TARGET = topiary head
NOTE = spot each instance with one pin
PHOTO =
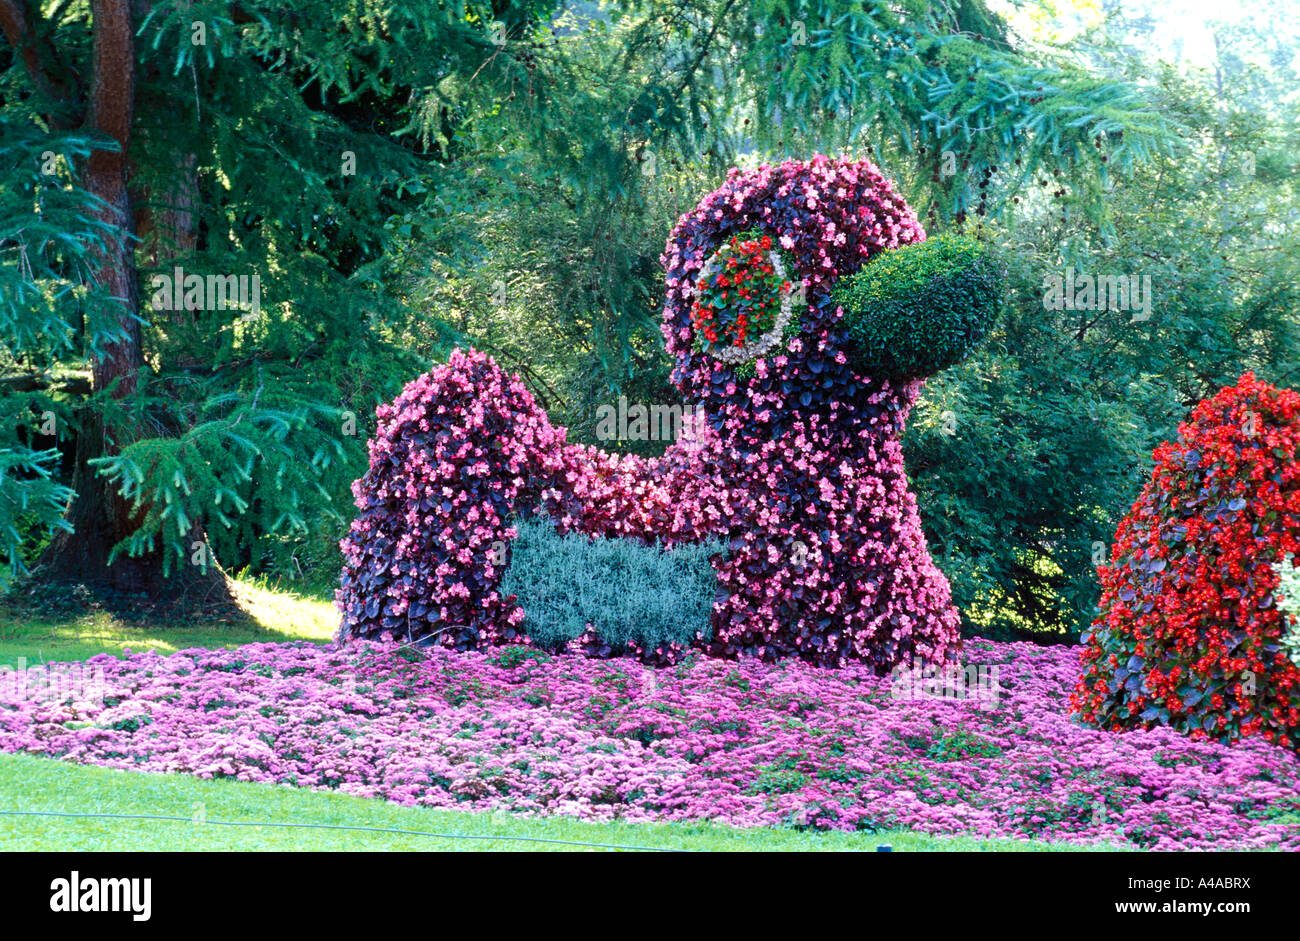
(915, 310)
(812, 222)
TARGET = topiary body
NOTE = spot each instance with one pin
(797, 465)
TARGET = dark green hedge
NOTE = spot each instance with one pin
(915, 310)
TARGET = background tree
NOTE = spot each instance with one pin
(1025, 457)
(204, 419)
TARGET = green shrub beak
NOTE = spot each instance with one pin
(916, 310)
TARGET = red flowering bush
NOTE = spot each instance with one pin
(1189, 632)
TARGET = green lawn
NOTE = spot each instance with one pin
(34, 784)
(272, 616)
(41, 784)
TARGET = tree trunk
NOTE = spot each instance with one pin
(167, 225)
(100, 516)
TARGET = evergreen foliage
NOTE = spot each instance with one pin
(282, 142)
(48, 306)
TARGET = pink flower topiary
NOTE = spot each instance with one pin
(798, 466)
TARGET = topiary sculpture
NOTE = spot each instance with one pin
(797, 466)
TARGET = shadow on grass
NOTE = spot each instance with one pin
(50, 623)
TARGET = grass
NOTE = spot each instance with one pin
(42, 784)
(273, 616)
(29, 783)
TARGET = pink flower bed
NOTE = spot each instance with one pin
(740, 742)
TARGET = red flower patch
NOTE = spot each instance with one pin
(739, 296)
